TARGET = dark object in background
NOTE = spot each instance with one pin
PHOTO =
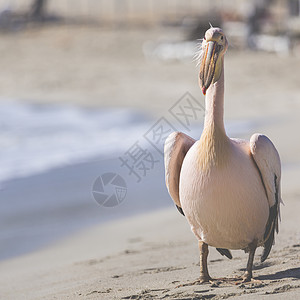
(36, 13)
(294, 8)
(195, 28)
(38, 8)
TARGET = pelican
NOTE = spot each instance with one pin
(227, 188)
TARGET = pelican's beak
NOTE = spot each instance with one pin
(208, 65)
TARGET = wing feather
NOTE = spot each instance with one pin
(268, 163)
(176, 147)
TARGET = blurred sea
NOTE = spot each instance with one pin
(50, 156)
(37, 138)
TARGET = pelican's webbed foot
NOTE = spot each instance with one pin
(204, 279)
(201, 280)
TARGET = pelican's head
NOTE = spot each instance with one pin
(212, 50)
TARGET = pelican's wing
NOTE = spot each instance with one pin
(268, 163)
(176, 147)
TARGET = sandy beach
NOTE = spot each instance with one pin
(149, 255)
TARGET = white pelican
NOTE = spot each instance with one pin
(228, 189)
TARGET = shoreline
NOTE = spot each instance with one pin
(53, 211)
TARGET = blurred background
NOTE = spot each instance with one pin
(89, 90)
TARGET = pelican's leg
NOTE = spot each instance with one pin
(204, 276)
(248, 274)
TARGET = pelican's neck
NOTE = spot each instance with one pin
(214, 104)
(214, 144)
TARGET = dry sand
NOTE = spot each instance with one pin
(147, 257)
